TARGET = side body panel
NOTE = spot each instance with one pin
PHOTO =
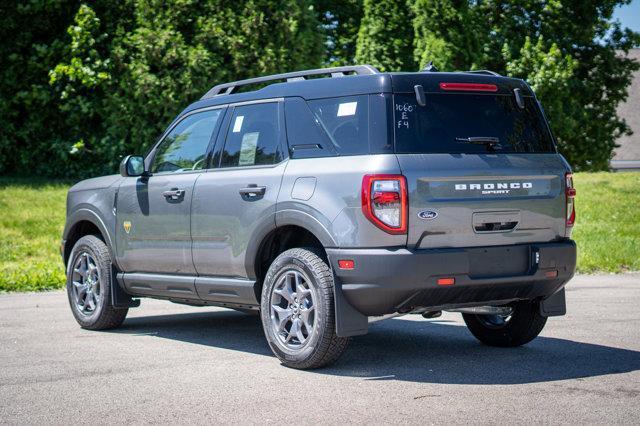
(324, 196)
(92, 200)
(224, 222)
(159, 238)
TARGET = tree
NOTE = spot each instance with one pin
(341, 21)
(121, 85)
(385, 38)
(569, 51)
(29, 136)
(447, 34)
(581, 104)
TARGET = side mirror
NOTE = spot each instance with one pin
(132, 165)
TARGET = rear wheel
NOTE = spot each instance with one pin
(520, 327)
(297, 311)
(88, 285)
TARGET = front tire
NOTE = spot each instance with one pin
(522, 326)
(297, 311)
(88, 285)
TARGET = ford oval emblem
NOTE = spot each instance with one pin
(427, 214)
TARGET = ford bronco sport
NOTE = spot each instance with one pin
(323, 203)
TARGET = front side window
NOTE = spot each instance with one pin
(185, 147)
(346, 122)
(253, 136)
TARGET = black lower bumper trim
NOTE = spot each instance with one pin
(399, 280)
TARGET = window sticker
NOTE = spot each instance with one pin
(347, 109)
(248, 149)
(237, 125)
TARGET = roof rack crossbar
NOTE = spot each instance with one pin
(228, 88)
(489, 72)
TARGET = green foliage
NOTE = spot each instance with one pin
(125, 69)
(102, 79)
(385, 39)
(446, 34)
(575, 62)
(341, 22)
(569, 51)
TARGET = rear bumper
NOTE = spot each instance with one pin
(400, 280)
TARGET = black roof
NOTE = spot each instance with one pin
(350, 85)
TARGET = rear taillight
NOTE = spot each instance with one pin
(570, 193)
(384, 202)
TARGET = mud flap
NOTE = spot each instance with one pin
(349, 322)
(554, 305)
(119, 298)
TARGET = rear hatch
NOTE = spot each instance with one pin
(479, 160)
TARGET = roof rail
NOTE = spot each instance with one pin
(484, 72)
(228, 88)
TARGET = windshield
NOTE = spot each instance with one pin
(469, 124)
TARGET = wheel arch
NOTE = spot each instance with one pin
(277, 241)
(84, 222)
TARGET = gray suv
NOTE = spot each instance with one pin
(326, 199)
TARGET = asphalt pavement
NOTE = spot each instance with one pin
(177, 364)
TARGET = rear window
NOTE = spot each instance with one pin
(469, 124)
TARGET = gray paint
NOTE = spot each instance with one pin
(202, 248)
(224, 222)
(159, 240)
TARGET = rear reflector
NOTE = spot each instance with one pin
(446, 281)
(346, 264)
(469, 87)
(551, 274)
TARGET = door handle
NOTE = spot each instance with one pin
(253, 190)
(173, 193)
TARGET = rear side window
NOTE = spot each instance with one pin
(253, 137)
(346, 122)
(469, 124)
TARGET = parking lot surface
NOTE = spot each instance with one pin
(177, 364)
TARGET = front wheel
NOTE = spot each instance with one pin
(520, 327)
(88, 285)
(297, 310)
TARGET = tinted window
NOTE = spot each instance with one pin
(185, 147)
(448, 120)
(346, 122)
(253, 136)
(304, 134)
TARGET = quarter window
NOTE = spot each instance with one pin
(346, 122)
(184, 148)
(253, 136)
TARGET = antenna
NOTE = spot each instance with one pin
(430, 67)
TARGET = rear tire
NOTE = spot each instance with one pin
(297, 311)
(522, 326)
(89, 285)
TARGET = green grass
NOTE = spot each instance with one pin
(32, 214)
(607, 227)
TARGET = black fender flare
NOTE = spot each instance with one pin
(86, 214)
(279, 219)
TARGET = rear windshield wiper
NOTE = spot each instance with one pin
(489, 142)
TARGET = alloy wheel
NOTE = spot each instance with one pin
(86, 284)
(292, 309)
